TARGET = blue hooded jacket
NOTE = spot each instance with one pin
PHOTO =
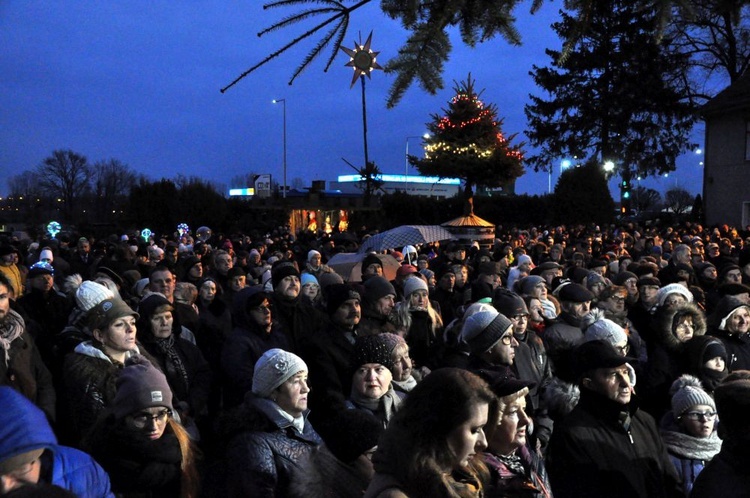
(23, 428)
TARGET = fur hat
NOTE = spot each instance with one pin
(414, 284)
(281, 270)
(275, 367)
(596, 327)
(338, 294)
(140, 385)
(372, 349)
(356, 431)
(665, 291)
(687, 391)
(377, 287)
(483, 330)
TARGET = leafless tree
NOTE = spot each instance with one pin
(65, 175)
(678, 200)
(646, 198)
(112, 181)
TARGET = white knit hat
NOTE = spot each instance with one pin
(687, 392)
(275, 367)
(414, 284)
(89, 294)
(310, 254)
(661, 296)
(596, 327)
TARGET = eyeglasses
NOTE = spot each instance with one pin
(506, 339)
(623, 349)
(618, 299)
(261, 309)
(517, 318)
(699, 415)
(141, 420)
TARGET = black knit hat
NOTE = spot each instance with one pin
(356, 431)
(337, 294)
(377, 287)
(509, 303)
(281, 270)
(372, 349)
(371, 259)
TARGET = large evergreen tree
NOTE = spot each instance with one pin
(467, 142)
(614, 97)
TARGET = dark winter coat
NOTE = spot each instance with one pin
(245, 345)
(89, 378)
(726, 476)
(592, 454)
(322, 475)
(265, 450)
(299, 321)
(688, 454)
(562, 335)
(25, 371)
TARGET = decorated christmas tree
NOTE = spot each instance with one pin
(467, 142)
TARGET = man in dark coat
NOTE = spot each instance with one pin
(377, 305)
(298, 320)
(565, 333)
(606, 446)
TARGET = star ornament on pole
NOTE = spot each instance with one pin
(362, 59)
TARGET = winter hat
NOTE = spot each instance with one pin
(651, 281)
(596, 354)
(275, 367)
(140, 385)
(392, 341)
(156, 302)
(329, 278)
(444, 270)
(19, 419)
(427, 273)
(687, 391)
(308, 278)
(624, 276)
(40, 268)
(405, 270)
(509, 303)
(483, 330)
(596, 327)
(108, 310)
(372, 349)
(140, 286)
(527, 284)
(311, 253)
(356, 431)
(414, 284)
(713, 349)
(377, 287)
(46, 254)
(371, 259)
(733, 402)
(661, 296)
(281, 270)
(89, 294)
(236, 271)
(575, 293)
(490, 268)
(594, 278)
(727, 307)
(525, 259)
(337, 294)
(110, 274)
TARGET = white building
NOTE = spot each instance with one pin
(428, 186)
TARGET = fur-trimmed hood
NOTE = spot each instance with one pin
(664, 321)
(560, 397)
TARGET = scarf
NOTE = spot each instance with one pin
(10, 329)
(384, 407)
(513, 463)
(694, 448)
(174, 366)
(406, 385)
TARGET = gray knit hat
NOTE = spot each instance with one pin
(140, 385)
(596, 327)
(687, 392)
(414, 284)
(483, 330)
(275, 367)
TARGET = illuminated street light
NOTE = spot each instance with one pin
(609, 166)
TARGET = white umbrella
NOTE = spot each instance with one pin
(405, 235)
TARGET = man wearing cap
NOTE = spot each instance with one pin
(47, 310)
(329, 352)
(298, 320)
(9, 268)
(492, 346)
(377, 304)
(565, 333)
(606, 446)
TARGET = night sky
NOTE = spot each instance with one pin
(139, 82)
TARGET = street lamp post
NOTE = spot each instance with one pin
(406, 169)
(283, 102)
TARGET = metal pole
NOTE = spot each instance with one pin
(406, 169)
(284, 112)
(364, 119)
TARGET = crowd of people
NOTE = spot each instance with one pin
(566, 361)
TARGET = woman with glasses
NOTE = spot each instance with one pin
(689, 430)
(254, 333)
(143, 449)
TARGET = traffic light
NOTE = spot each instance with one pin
(625, 188)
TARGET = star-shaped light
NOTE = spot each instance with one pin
(362, 59)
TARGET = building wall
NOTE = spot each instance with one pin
(726, 182)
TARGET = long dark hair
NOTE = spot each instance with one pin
(414, 449)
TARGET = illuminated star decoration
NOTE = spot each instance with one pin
(362, 59)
